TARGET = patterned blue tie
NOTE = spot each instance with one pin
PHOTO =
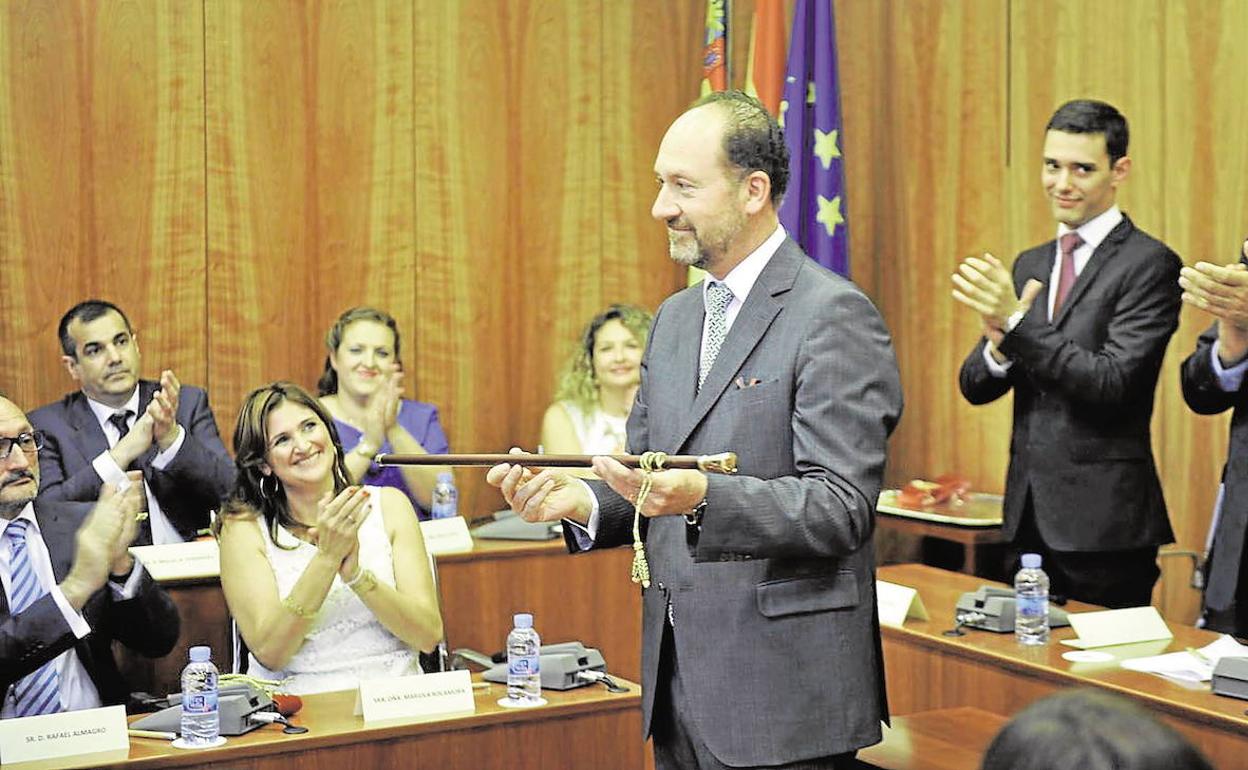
(38, 692)
(718, 297)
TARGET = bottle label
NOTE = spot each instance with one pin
(200, 702)
(523, 665)
(1031, 606)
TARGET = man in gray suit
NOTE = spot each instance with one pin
(761, 643)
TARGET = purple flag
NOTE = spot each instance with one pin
(814, 212)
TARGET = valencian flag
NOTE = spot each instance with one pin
(764, 78)
(715, 54)
(814, 212)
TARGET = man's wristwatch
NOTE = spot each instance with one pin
(694, 517)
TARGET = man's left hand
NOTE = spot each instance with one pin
(671, 492)
(984, 285)
(164, 411)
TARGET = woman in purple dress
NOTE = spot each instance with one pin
(362, 388)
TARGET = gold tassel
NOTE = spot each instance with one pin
(650, 462)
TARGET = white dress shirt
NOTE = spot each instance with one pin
(77, 689)
(162, 530)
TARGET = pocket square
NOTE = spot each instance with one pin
(743, 383)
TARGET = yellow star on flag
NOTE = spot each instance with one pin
(784, 107)
(810, 92)
(830, 214)
(825, 147)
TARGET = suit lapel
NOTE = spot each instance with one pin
(1108, 248)
(90, 435)
(58, 528)
(755, 317)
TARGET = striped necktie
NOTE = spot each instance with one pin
(718, 297)
(38, 692)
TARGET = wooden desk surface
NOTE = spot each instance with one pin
(945, 739)
(607, 726)
(926, 670)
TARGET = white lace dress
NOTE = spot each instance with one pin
(598, 432)
(346, 642)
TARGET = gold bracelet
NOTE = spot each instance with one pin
(298, 609)
(363, 582)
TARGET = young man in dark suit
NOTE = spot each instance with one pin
(760, 639)
(70, 588)
(117, 422)
(1078, 333)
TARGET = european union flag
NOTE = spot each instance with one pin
(814, 212)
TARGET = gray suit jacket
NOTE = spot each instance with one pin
(200, 475)
(774, 598)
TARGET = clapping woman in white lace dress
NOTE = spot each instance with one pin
(329, 583)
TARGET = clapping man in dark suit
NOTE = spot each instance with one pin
(70, 588)
(117, 422)
(1213, 381)
(1082, 357)
(761, 642)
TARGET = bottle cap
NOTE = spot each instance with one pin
(446, 476)
(1031, 561)
(523, 620)
(201, 654)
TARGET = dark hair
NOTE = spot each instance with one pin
(577, 382)
(251, 444)
(1088, 116)
(1089, 730)
(753, 140)
(85, 311)
(333, 338)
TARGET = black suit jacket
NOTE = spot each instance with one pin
(1204, 396)
(1083, 395)
(195, 482)
(774, 596)
(147, 623)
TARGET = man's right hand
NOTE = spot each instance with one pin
(550, 495)
(95, 546)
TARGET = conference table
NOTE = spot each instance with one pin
(927, 670)
(584, 597)
(581, 728)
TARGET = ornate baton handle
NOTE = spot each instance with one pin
(724, 462)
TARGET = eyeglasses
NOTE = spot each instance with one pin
(28, 442)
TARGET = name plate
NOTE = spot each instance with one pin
(179, 561)
(68, 734)
(1106, 628)
(415, 698)
(449, 535)
(895, 603)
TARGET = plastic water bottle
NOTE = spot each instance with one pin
(1031, 602)
(201, 722)
(524, 679)
(445, 497)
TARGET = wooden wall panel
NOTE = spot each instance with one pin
(941, 147)
(662, 41)
(101, 181)
(310, 183)
(466, 249)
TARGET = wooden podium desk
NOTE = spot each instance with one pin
(926, 670)
(582, 728)
(584, 597)
(587, 597)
